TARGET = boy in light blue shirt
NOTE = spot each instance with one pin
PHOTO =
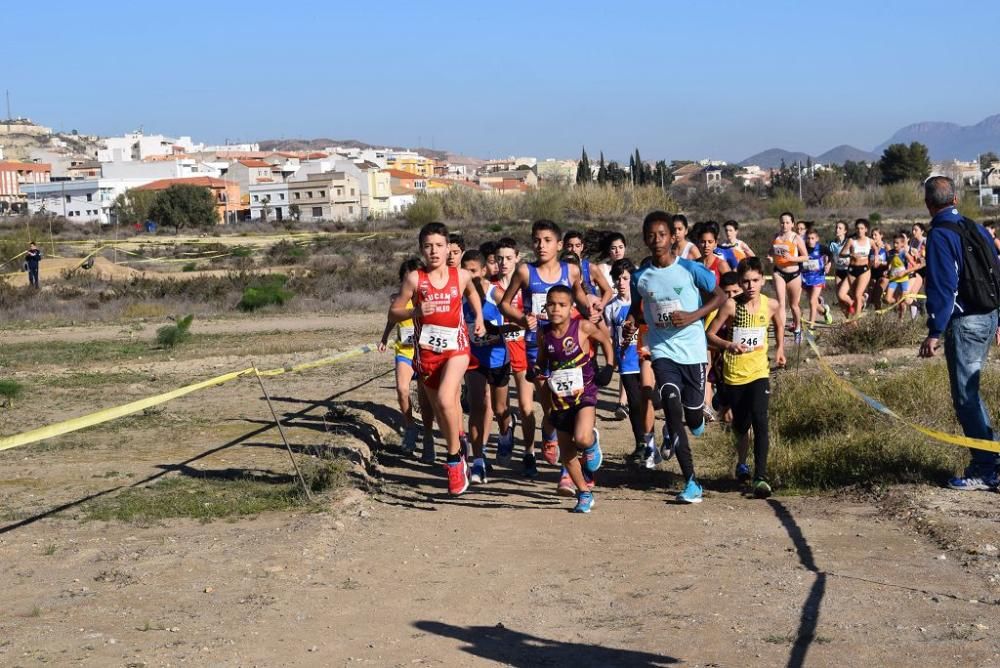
(667, 294)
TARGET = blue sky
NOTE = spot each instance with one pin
(677, 79)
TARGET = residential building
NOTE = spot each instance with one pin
(226, 194)
(400, 199)
(249, 172)
(80, 200)
(83, 169)
(272, 198)
(376, 190)
(561, 172)
(510, 182)
(508, 164)
(403, 179)
(159, 169)
(326, 196)
(13, 176)
(409, 161)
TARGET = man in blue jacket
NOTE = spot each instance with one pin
(967, 332)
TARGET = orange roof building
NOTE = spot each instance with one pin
(225, 192)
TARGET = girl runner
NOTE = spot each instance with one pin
(858, 250)
(682, 247)
(879, 257)
(612, 250)
(788, 252)
(814, 271)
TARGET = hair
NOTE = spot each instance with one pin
(570, 256)
(571, 234)
(656, 217)
(408, 265)
(939, 192)
(808, 223)
(32, 243)
(433, 228)
(863, 221)
(506, 242)
(488, 248)
(608, 239)
(708, 226)
(473, 256)
(920, 226)
(731, 223)
(545, 225)
(899, 235)
(457, 239)
(561, 290)
(752, 263)
(840, 222)
(679, 218)
(786, 213)
(729, 278)
(619, 267)
(875, 229)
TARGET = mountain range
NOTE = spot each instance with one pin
(944, 141)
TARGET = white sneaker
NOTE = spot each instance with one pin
(652, 458)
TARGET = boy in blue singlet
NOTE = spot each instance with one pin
(667, 292)
(627, 350)
(533, 280)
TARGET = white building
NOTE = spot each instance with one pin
(81, 201)
(159, 169)
(274, 197)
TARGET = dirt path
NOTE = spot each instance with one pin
(504, 575)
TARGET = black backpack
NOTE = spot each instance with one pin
(979, 282)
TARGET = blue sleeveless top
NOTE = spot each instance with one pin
(534, 298)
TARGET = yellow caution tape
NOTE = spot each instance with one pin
(108, 414)
(876, 405)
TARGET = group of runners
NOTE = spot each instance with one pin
(686, 328)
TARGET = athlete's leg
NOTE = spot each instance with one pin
(844, 295)
(526, 402)
(446, 401)
(760, 395)
(860, 285)
(632, 385)
(669, 381)
(404, 376)
(780, 291)
(794, 288)
(475, 382)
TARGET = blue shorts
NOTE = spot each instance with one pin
(404, 359)
(904, 286)
(810, 279)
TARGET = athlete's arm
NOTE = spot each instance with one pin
(746, 249)
(716, 341)
(385, 335)
(704, 280)
(800, 247)
(517, 282)
(398, 311)
(580, 295)
(602, 286)
(595, 333)
(778, 316)
(469, 289)
(630, 326)
(542, 361)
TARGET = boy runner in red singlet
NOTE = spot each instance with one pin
(441, 341)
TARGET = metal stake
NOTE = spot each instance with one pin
(305, 488)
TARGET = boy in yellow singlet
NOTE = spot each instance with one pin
(745, 367)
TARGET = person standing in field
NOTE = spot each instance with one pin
(32, 258)
(963, 293)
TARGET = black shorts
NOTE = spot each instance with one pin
(689, 379)
(858, 271)
(565, 420)
(497, 377)
(789, 276)
(841, 274)
(922, 272)
(748, 400)
(878, 273)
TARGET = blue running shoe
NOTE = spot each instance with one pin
(478, 473)
(742, 473)
(530, 467)
(969, 482)
(691, 493)
(584, 502)
(668, 446)
(592, 456)
(699, 430)
(505, 443)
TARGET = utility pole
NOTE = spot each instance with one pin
(799, 165)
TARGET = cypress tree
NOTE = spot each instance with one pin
(583, 169)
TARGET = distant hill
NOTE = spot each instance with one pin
(843, 153)
(771, 158)
(950, 141)
(320, 143)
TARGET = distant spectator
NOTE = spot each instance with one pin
(968, 328)
(32, 258)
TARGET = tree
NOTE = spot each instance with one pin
(823, 184)
(131, 208)
(661, 174)
(641, 176)
(583, 169)
(602, 171)
(631, 169)
(265, 207)
(987, 159)
(900, 162)
(185, 205)
(294, 211)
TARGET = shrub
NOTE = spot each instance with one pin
(10, 389)
(784, 200)
(267, 291)
(190, 266)
(169, 336)
(875, 333)
(426, 209)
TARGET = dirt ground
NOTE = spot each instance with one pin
(400, 575)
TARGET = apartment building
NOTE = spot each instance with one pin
(14, 176)
(326, 196)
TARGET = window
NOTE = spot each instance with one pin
(352, 191)
(317, 212)
(296, 195)
(256, 198)
(68, 198)
(322, 193)
(281, 196)
(350, 209)
(309, 194)
(90, 197)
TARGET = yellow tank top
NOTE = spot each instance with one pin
(751, 330)
(404, 335)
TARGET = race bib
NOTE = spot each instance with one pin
(406, 336)
(751, 337)
(779, 250)
(438, 339)
(662, 311)
(843, 262)
(538, 306)
(567, 382)
(516, 335)
(480, 341)
(810, 265)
